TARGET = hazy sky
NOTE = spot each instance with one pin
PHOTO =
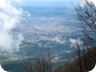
(49, 3)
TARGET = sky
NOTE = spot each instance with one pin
(49, 3)
(46, 3)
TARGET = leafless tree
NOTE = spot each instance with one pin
(87, 15)
(41, 64)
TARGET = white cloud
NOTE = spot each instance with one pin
(74, 42)
(9, 17)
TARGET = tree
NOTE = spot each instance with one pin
(87, 15)
(41, 64)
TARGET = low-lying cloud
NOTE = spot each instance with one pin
(9, 17)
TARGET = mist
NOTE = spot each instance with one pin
(10, 16)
